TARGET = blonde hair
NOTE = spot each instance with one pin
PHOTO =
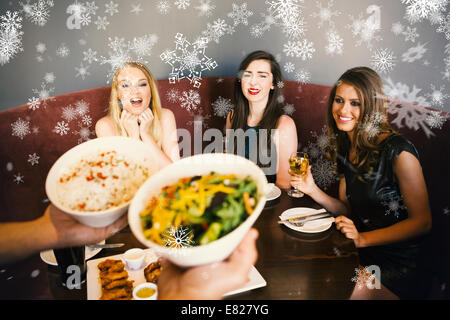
(115, 110)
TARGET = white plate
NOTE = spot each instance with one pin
(94, 289)
(49, 256)
(309, 227)
(273, 192)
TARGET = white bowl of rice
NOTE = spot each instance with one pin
(95, 181)
(198, 165)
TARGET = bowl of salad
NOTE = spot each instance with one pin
(197, 210)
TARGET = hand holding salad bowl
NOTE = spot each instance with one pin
(197, 210)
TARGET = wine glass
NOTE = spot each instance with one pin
(298, 164)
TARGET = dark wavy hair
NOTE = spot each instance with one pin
(372, 123)
(273, 110)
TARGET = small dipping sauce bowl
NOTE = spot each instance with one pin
(146, 291)
(134, 258)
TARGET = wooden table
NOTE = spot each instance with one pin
(295, 265)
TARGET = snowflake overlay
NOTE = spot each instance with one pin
(33, 159)
(364, 277)
(188, 60)
(222, 106)
(383, 60)
(10, 36)
(20, 128)
(178, 238)
(190, 100)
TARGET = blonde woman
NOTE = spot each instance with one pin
(135, 111)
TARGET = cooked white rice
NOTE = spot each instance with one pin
(101, 182)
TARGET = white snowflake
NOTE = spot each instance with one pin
(82, 71)
(372, 124)
(418, 10)
(118, 56)
(222, 106)
(85, 19)
(187, 60)
(84, 134)
(33, 159)
(101, 23)
(205, 8)
(178, 238)
(142, 46)
(289, 67)
(325, 14)
(319, 144)
(289, 109)
(173, 95)
(69, 113)
(20, 128)
(414, 53)
(410, 34)
(90, 8)
(257, 30)
(397, 28)
(383, 60)
(61, 128)
(437, 96)
(215, 30)
(44, 93)
(18, 178)
(163, 6)
(81, 107)
(41, 47)
(294, 28)
(436, 119)
(240, 14)
(300, 49)
(10, 36)
(190, 100)
(11, 21)
(182, 4)
(280, 84)
(63, 51)
(111, 8)
(136, 9)
(324, 172)
(86, 120)
(393, 205)
(34, 103)
(335, 43)
(39, 12)
(407, 105)
(49, 77)
(284, 10)
(90, 56)
(302, 76)
(444, 26)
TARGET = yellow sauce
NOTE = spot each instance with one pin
(145, 293)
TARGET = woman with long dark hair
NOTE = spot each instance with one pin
(258, 109)
(383, 201)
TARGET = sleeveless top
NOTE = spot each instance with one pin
(377, 203)
(250, 144)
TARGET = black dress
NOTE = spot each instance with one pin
(377, 203)
(250, 144)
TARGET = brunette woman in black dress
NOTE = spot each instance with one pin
(383, 201)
